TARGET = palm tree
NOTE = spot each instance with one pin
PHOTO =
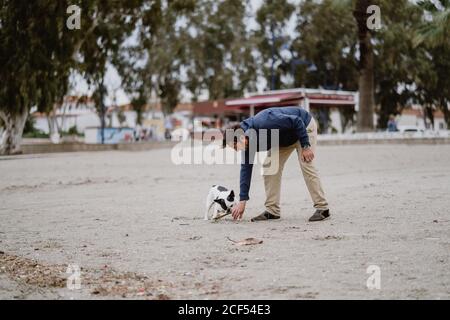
(435, 32)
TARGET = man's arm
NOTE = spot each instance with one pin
(302, 134)
(299, 126)
(247, 160)
(245, 182)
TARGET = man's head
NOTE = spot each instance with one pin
(235, 138)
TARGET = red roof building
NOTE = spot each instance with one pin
(308, 98)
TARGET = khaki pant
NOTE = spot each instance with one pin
(272, 180)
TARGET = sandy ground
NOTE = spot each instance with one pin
(133, 222)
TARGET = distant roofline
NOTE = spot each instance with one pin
(303, 91)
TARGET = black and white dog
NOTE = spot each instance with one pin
(219, 200)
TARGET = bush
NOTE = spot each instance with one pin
(36, 134)
(29, 131)
(72, 132)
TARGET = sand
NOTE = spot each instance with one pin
(133, 223)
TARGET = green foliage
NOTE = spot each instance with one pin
(397, 62)
(220, 52)
(198, 45)
(272, 18)
(404, 72)
(151, 67)
(107, 25)
(72, 131)
(327, 38)
(39, 52)
(432, 38)
(437, 31)
(36, 134)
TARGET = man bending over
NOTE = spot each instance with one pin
(297, 130)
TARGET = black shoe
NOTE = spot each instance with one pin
(265, 216)
(320, 215)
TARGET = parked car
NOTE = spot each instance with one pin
(412, 129)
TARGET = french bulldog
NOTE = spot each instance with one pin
(220, 200)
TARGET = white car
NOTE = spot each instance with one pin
(412, 129)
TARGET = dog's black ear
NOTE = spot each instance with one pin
(222, 203)
(231, 196)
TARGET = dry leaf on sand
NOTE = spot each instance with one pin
(246, 242)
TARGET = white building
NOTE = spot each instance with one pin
(415, 117)
(80, 113)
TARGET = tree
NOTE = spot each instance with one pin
(327, 37)
(324, 52)
(433, 83)
(35, 56)
(398, 63)
(219, 50)
(200, 46)
(109, 24)
(326, 40)
(437, 31)
(433, 36)
(365, 67)
(271, 39)
(39, 53)
(151, 65)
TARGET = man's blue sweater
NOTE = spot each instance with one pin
(291, 123)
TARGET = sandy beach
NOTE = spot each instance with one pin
(133, 222)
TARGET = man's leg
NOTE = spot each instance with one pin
(310, 173)
(272, 180)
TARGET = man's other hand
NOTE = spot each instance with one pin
(307, 155)
(238, 211)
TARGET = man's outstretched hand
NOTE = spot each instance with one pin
(238, 211)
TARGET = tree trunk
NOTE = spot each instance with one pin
(429, 114)
(55, 129)
(366, 69)
(446, 112)
(11, 138)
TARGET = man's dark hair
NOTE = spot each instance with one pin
(232, 135)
